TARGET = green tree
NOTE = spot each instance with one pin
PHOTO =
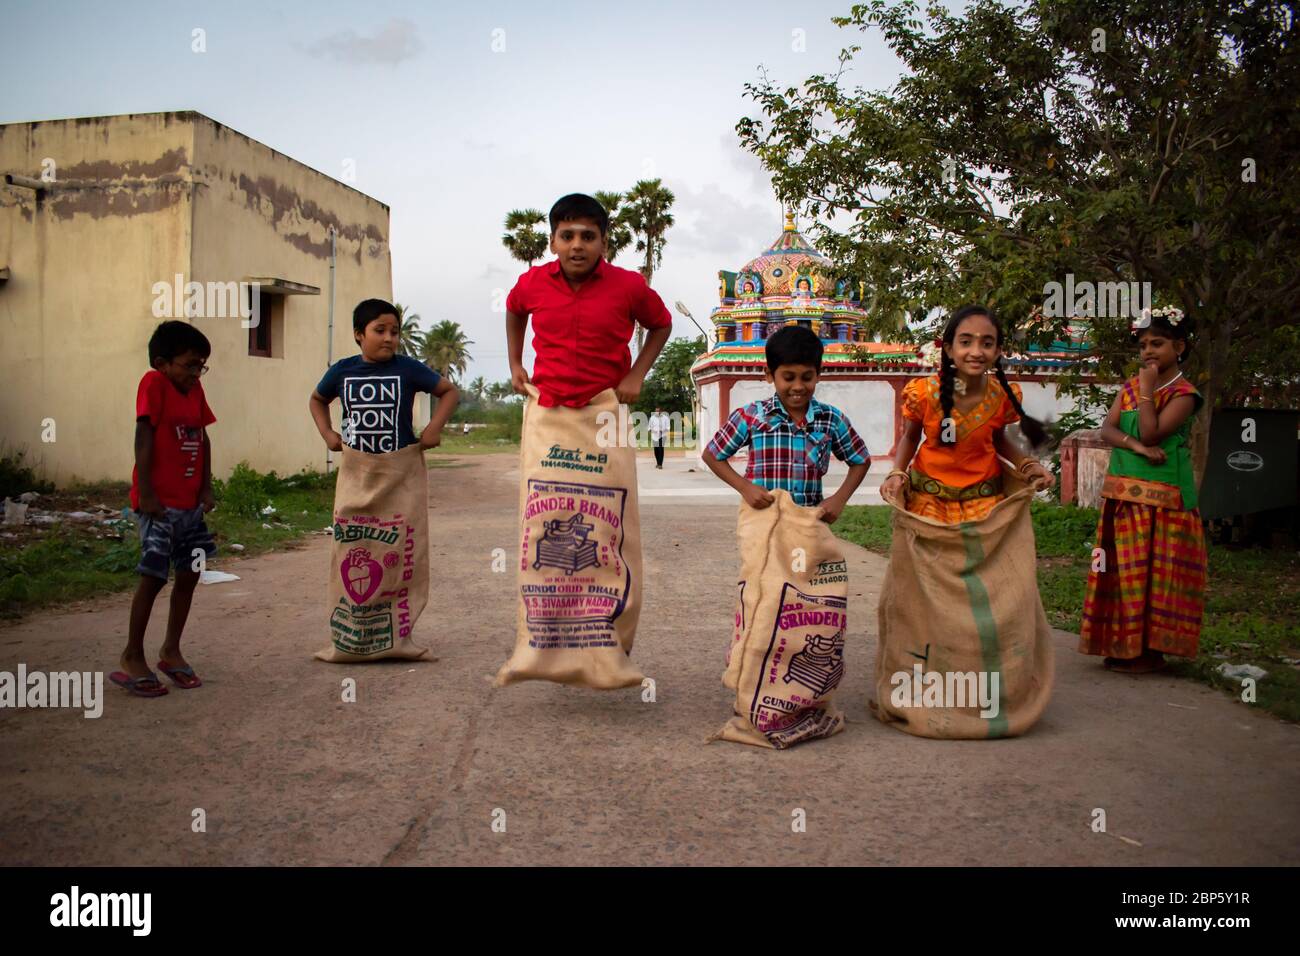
(409, 336)
(476, 388)
(498, 393)
(619, 236)
(669, 385)
(446, 349)
(647, 212)
(1106, 140)
(522, 238)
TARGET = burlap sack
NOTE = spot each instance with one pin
(959, 605)
(787, 652)
(379, 567)
(579, 547)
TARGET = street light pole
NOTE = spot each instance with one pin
(696, 401)
(681, 307)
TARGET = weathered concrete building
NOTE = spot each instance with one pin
(110, 224)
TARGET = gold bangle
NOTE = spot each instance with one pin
(1143, 398)
(899, 472)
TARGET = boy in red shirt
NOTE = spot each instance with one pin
(584, 311)
(171, 491)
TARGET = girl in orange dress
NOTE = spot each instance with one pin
(961, 414)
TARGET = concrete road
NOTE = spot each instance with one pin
(417, 770)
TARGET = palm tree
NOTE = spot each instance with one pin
(409, 335)
(524, 242)
(647, 214)
(618, 237)
(476, 389)
(444, 348)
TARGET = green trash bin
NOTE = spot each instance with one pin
(1247, 476)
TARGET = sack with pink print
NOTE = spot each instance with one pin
(379, 567)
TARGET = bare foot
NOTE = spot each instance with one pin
(172, 657)
(134, 664)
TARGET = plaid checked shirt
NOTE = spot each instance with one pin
(785, 455)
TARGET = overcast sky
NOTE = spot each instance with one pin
(451, 133)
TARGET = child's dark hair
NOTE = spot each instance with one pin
(173, 338)
(1031, 428)
(368, 310)
(578, 206)
(1180, 332)
(793, 345)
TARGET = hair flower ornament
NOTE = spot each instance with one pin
(1168, 313)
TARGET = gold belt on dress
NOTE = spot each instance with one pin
(920, 481)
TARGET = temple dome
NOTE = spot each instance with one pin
(789, 265)
(790, 283)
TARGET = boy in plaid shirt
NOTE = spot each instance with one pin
(791, 435)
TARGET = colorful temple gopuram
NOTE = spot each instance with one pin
(791, 283)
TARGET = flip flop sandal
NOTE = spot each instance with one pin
(183, 677)
(139, 686)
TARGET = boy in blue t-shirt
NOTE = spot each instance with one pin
(377, 389)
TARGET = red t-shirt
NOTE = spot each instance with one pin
(178, 420)
(581, 337)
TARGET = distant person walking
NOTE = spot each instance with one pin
(659, 429)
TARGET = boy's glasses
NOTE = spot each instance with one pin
(196, 368)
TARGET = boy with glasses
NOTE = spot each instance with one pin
(171, 491)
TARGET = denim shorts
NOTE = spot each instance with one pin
(172, 540)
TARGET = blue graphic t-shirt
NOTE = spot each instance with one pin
(377, 399)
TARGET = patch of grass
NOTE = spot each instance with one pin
(303, 503)
(1250, 597)
(870, 526)
(63, 566)
(68, 562)
(480, 441)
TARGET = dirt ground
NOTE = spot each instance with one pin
(419, 767)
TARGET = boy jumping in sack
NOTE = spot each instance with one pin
(580, 547)
(378, 583)
(786, 656)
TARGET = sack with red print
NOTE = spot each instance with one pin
(379, 568)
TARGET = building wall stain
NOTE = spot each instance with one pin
(284, 201)
(98, 203)
(173, 161)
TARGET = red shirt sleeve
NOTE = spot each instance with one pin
(208, 417)
(517, 300)
(149, 398)
(647, 308)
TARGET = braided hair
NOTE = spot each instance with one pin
(1031, 428)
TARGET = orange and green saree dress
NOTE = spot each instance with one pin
(962, 482)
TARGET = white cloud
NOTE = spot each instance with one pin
(396, 40)
(713, 224)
